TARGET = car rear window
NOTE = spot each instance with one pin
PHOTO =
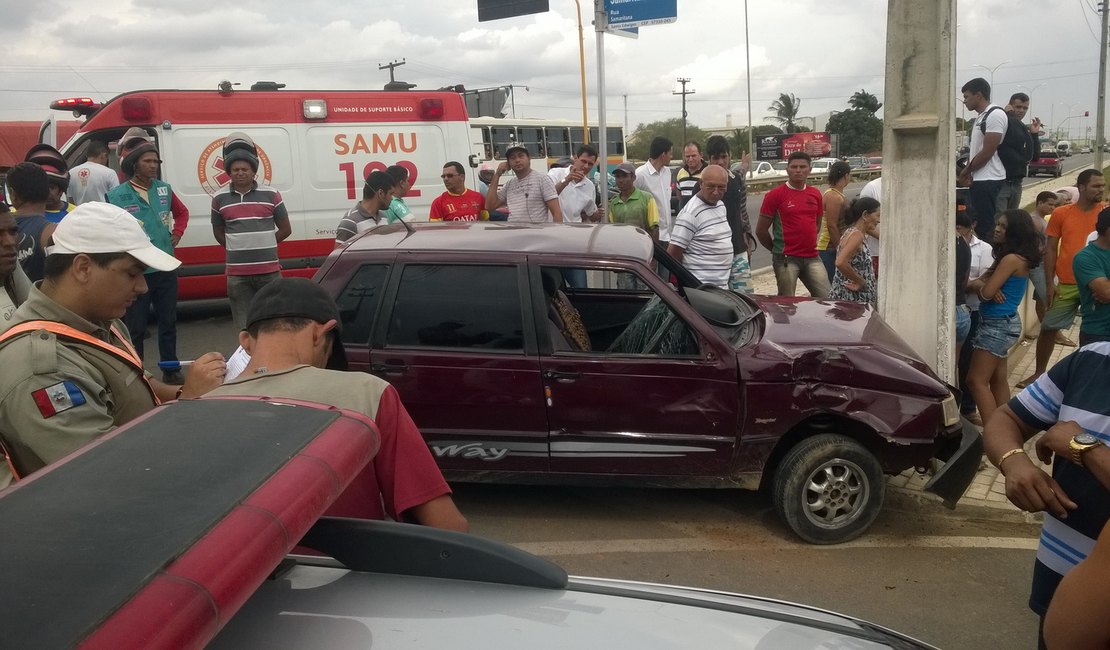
(457, 306)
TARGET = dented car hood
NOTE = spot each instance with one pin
(834, 342)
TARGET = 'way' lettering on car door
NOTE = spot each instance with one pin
(470, 450)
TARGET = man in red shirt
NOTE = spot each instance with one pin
(787, 226)
(458, 203)
(294, 341)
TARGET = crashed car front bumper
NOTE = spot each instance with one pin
(961, 456)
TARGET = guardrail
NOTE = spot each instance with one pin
(766, 184)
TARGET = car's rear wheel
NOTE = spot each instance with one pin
(1058, 172)
(828, 489)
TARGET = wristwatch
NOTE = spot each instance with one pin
(1081, 444)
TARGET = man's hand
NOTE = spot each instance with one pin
(1056, 439)
(174, 240)
(1029, 488)
(1049, 292)
(575, 176)
(206, 373)
(964, 179)
(502, 168)
(746, 163)
(1035, 126)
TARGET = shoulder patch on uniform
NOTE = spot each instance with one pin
(62, 396)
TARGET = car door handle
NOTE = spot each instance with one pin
(558, 375)
(389, 368)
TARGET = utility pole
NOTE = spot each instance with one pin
(1100, 109)
(684, 81)
(393, 83)
(391, 65)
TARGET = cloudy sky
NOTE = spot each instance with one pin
(820, 50)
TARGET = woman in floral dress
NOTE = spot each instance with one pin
(855, 277)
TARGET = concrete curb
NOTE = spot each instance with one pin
(910, 499)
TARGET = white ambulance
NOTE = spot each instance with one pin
(315, 147)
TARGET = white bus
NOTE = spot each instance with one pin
(545, 140)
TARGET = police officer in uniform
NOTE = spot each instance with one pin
(70, 374)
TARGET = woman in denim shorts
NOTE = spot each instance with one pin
(1016, 251)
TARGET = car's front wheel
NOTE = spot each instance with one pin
(828, 489)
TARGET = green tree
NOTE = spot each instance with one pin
(638, 143)
(864, 101)
(858, 131)
(785, 112)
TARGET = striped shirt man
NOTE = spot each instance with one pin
(702, 231)
(249, 222)
(1073, 390)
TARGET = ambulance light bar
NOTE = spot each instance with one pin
(79, 105)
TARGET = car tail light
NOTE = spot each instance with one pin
(431, 109)
(136, 109)
(315, 109)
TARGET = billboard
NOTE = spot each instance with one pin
(781, 145)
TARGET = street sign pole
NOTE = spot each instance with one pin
(601, 20)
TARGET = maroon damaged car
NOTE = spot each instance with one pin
(580, 354)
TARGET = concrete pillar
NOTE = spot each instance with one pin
(917, 256)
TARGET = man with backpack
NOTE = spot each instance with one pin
(1020, 145)
(984, 173)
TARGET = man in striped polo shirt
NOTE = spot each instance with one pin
(1069, 403)
(701, 238)
(248, 220)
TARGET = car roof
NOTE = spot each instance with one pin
(600, 240)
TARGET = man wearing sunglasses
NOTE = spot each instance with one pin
(458, 203)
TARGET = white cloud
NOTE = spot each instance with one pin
(821, 51)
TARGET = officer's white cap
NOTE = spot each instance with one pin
(96, 227)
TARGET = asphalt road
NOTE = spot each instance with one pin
(762, 257)
(921, 569)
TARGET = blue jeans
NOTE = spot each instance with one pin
(963, 323)
(162, 295)
(982, 200)
(828, 258)
(967, 402)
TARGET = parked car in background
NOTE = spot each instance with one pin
(1046, 162)
(559, 354)
(1064, 148)
(760, 169)
(875, 162)
(1085, 149)
(858, 162)
(821, 165)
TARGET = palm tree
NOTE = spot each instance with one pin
(865, 101)
(785, 110)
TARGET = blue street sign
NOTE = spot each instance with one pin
(623, 14)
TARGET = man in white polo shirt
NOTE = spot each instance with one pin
(576, 192)
(654, 177)
(701, 238)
